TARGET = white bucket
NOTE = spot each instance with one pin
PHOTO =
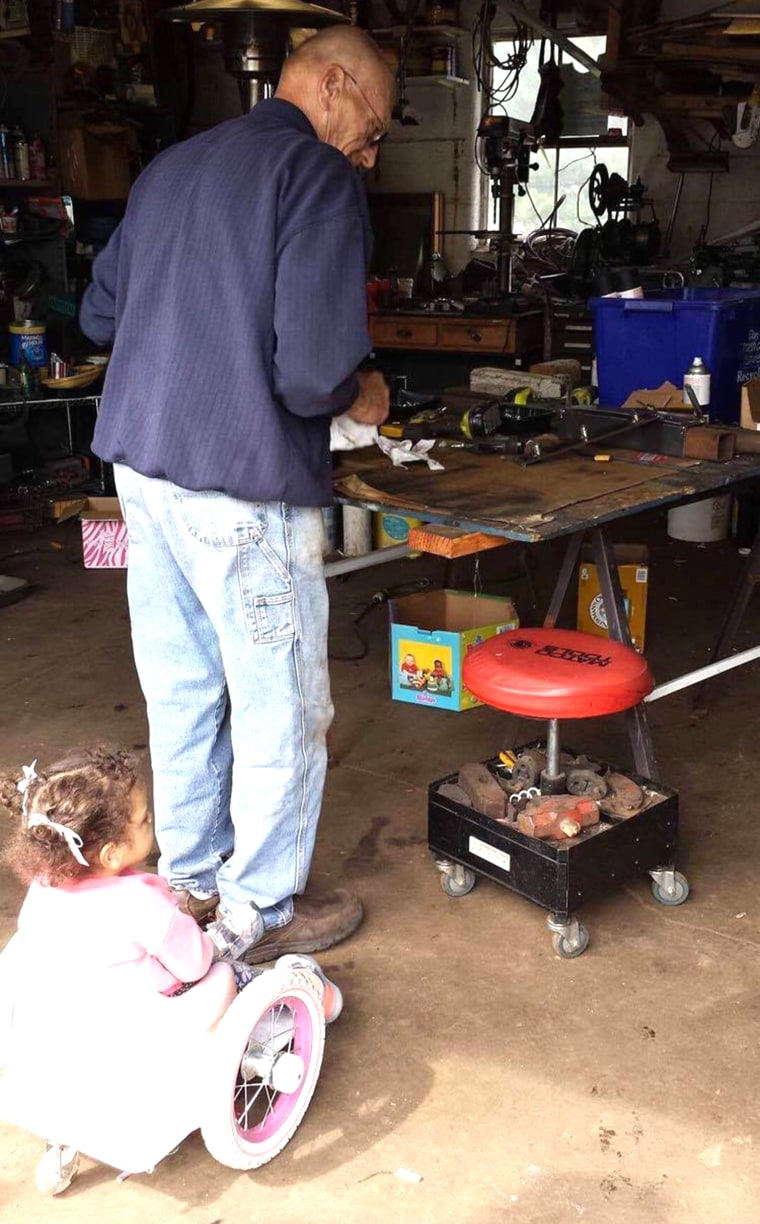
(357, 531)
(701, 522)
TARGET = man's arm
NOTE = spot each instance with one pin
(97, 314)
(320, 317)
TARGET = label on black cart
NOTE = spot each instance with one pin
(491, 854)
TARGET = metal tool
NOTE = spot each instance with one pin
(638, 419)
(492, 446)
(681, 434)
(520, 799)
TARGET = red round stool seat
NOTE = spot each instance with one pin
(556, 673)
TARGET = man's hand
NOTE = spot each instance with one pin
(373, 402)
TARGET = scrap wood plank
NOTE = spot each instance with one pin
(452, 541)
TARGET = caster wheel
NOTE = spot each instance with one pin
(677, 897)
(567, 950)
(454, 887)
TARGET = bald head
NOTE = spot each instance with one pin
(338, 44)
(344, 87)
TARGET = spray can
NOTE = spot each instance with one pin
(37, 164)
(20, 154)
(697, 377)
(6, 153)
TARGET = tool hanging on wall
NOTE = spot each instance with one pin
(547, 117)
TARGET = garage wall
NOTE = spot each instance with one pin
(438, 155)
(735, 198)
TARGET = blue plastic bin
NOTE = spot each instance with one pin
(642, 342)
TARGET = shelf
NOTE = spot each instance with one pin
(24, 183)
(7, 240)
(401, 31)
(19, 32)
(450, 81)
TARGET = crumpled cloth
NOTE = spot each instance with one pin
(404, 451)
(348, 434)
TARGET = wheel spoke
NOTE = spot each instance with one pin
(256, 1096)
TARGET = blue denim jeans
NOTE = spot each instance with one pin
(229, 613)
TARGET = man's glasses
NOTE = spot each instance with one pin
(383, 131)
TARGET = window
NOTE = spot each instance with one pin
(563, 171)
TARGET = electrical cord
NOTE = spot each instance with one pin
(378, 600)
(485, 59)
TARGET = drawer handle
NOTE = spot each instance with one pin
(476, 336)
(404, 333)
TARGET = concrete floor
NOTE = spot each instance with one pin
(617, 1087)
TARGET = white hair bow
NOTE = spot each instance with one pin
(23, 784)
(70, 836)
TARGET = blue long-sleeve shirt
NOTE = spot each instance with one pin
(233, 294)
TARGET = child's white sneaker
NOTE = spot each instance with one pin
(57, 1169)
(333, 998)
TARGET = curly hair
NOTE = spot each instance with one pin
(89, 791)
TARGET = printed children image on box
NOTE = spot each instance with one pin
(425, 667)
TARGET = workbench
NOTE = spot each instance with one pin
(571, 496)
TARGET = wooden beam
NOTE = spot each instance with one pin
(718, 55)
(451, 541)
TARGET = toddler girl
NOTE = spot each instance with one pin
(97, 934)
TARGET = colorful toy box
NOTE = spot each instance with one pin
(430, 636)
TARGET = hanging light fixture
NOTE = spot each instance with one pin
(256, 36)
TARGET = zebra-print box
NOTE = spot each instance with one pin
(104, 534)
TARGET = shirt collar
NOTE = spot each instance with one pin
(281, 112)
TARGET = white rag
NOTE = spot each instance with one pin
(348, 434)
(403, 452)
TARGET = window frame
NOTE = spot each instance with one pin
(602, 141)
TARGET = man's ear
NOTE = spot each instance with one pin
(331, 85)
(110, 857)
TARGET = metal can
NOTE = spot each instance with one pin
(697, 377)
(27, 339)
(6, 153)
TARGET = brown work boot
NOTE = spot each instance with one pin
(319, 921)
(202, 909)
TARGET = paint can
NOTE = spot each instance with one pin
(393, 529)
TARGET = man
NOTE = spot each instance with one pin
(233, 294)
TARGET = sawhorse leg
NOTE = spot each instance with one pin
(747, 583)
(617, 621)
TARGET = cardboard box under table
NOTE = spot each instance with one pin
(633, 572)
(430, 634)
(104, 534)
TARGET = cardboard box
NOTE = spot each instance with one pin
(94, 160)
(430, 636)
(633, 570)
(666, 396)
(750, 405)
(104, 534)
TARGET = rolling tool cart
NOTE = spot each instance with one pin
(557, 829)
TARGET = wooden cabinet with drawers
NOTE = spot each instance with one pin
(458, 333)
